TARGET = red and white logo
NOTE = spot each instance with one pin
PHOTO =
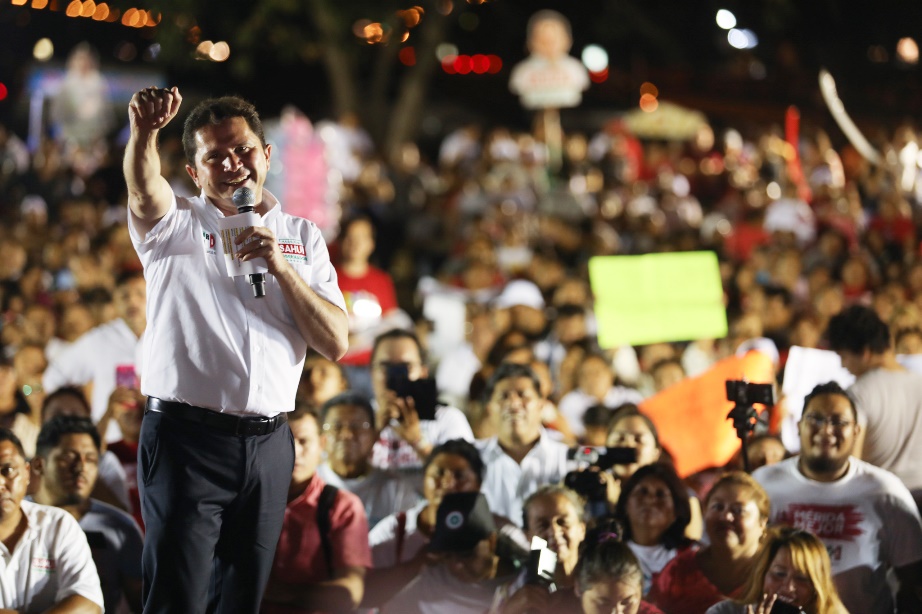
(44, 564)
(293, 250)
(825, 521)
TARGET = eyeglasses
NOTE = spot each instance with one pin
(817, 421)
(338, 427)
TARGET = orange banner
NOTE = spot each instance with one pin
(691, 416)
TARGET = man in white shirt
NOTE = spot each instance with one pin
(521, 458)
(405, 440)
(93, 359)
(889, 398)
(221, 363)
(67, 458)
(864, 514)
(348, 435)
(45, 561)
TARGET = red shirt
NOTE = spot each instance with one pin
(299, 557)
(375, 285)
(682, 588)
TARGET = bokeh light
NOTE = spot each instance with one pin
(39, 4)
(407, 56)
(19, 2)
(203, 50)
(595, 58)
(445, 50)
(43, 50)
(373, 33)
(220, 51)
(648, 88)
(102, 12)
(4, 92)
(648, 103)
(88, 9)
(742, 39)
(907, 50)
(725, 19)
(74, 8)
(126, 52)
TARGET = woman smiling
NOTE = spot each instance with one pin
(793, 568)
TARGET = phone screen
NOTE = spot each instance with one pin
(398, 378)
(425, 397)
(781, 607)
(125, 376)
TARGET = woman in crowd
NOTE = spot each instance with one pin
(553, 513)
(630, 428)
(608, 576)
(654, 511)
(398, 542)
(793, 568)
(735, 515)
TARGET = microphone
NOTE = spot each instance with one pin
(245, 201)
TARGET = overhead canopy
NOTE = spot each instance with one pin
(669, 121)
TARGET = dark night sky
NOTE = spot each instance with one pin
(674, 43)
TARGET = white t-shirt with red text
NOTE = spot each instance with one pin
(867, 519)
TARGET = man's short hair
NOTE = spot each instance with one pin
(398, 333)
(832, 388)
(127, 275)
(56, 428)
(212, 112)
(856, 329)
(351, 398)
(10, 436)
(510, 370)
(65, 391)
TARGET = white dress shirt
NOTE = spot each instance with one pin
(93, 358)
(506, 483)
(209, 342)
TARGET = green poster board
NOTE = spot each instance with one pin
(657, 298)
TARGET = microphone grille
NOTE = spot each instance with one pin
(244, 197)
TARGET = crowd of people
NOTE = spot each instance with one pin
(440, 466)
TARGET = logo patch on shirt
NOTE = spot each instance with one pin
(46, 565)
(825, 521)
(210, 240)
(293, 250)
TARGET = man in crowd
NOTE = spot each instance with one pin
(348, 437)
(93, 359)
(405, 440)
(38, 540)
(889, 397)
(521, 458)
(864, 514)
(323, 551)
(67, 457)
(220, 363)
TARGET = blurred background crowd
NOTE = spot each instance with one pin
(476, 245)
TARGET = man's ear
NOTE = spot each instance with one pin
(37, 466)
(193, 173)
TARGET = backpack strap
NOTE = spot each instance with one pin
(401, 532)
(324, 523)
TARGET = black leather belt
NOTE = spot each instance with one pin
(226, 423)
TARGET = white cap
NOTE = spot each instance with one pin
(520, 292)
